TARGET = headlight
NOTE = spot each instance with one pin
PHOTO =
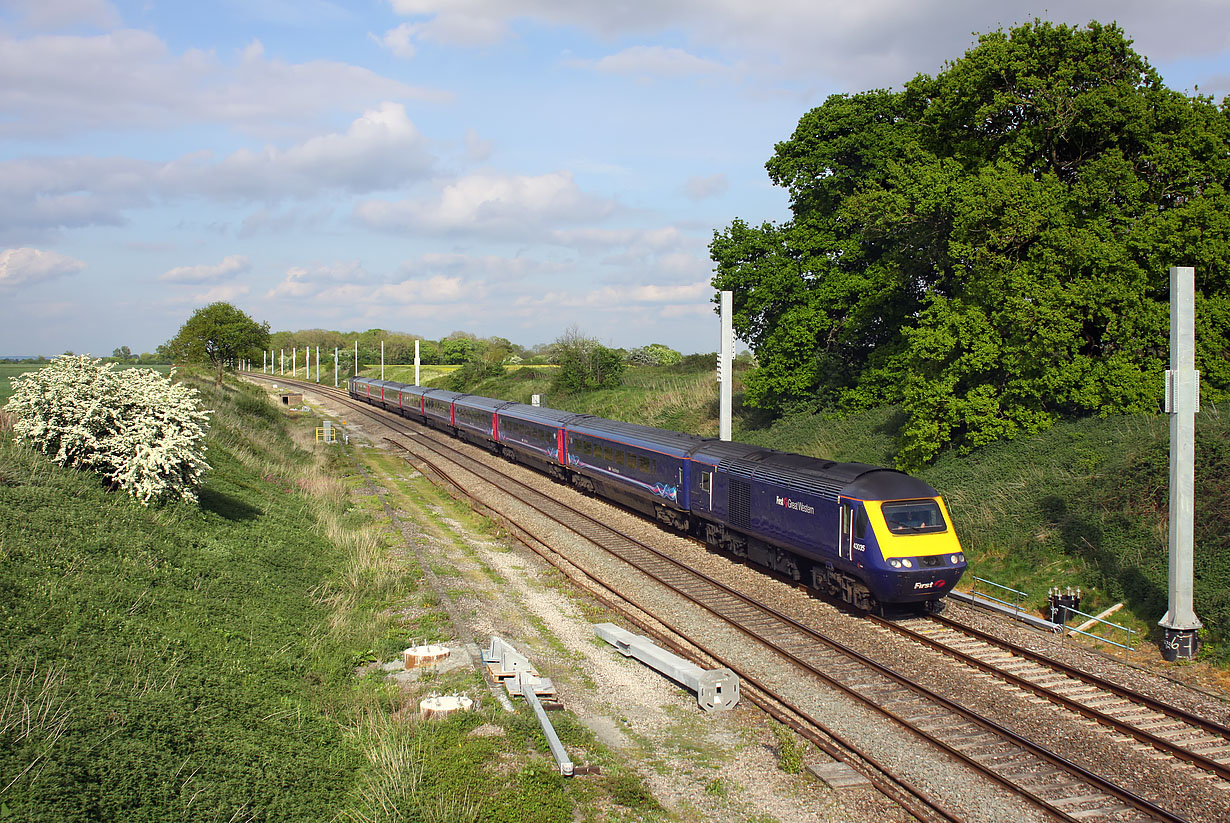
(896, 564)
(907, 562)
(956, 558)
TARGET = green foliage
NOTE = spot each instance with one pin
(219, 334)
(136, 428)
(655, 354)
(585, 364)
(789, 753)
(989, 247)
(473, 372)
(629, 791)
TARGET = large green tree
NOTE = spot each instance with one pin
(989, 247)
(219, 334)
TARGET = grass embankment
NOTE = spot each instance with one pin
(207, 662)
(1083, 504)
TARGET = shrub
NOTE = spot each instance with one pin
(136, 428)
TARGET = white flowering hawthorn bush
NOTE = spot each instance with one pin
(136, 428)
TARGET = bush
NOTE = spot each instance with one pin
(135, 427)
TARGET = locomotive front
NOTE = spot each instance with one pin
(920, 557)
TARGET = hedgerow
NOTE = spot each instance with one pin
(139, 430)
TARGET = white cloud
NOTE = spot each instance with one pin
(397, 40)
(382, 149)
(25, 266)
(434, 290)
(652, 61)
(874, 43)
(231, 266)
(489, 204)
(227, 292)
(305, 282)
(702, 188)
(46, 15)
(478, 150)
(128, 79)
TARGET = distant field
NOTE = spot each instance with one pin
(8, 370)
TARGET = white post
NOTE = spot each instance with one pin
(318, 364)
(381, 359)
(1180, 624)
(356, 357)
(282, 353)
(335, 367)
(416, 363)
(294, 362)
(725, 366)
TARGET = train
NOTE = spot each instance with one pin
(876, 538)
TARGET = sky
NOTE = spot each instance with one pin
(508, 168)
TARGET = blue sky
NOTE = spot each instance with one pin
(503, 167)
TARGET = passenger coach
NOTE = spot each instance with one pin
(870, 535)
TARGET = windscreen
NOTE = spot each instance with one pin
(913, 517)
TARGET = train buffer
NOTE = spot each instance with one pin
(716, 689)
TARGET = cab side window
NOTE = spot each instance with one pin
(860, 524)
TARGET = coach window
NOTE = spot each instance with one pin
(860, 524)
(706, 481)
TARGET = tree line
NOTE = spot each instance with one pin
(989, 247)
(220, 334)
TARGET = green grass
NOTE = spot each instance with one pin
(159, 663)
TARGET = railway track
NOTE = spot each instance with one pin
(1055, 784)
(1202, 743)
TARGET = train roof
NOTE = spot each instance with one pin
(540, 414)
(827, 478)
(634, 434)
(443, 394)
(474, 401)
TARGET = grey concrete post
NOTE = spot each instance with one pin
(716, 689)
(1180, 624)
(726, 357)
(416, 363)
(335, 367)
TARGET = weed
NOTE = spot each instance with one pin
(789, 753)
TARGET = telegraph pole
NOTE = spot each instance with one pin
(416, 363)
(356, 357)
(335, 367)
(1180, 624)
(381, 359)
